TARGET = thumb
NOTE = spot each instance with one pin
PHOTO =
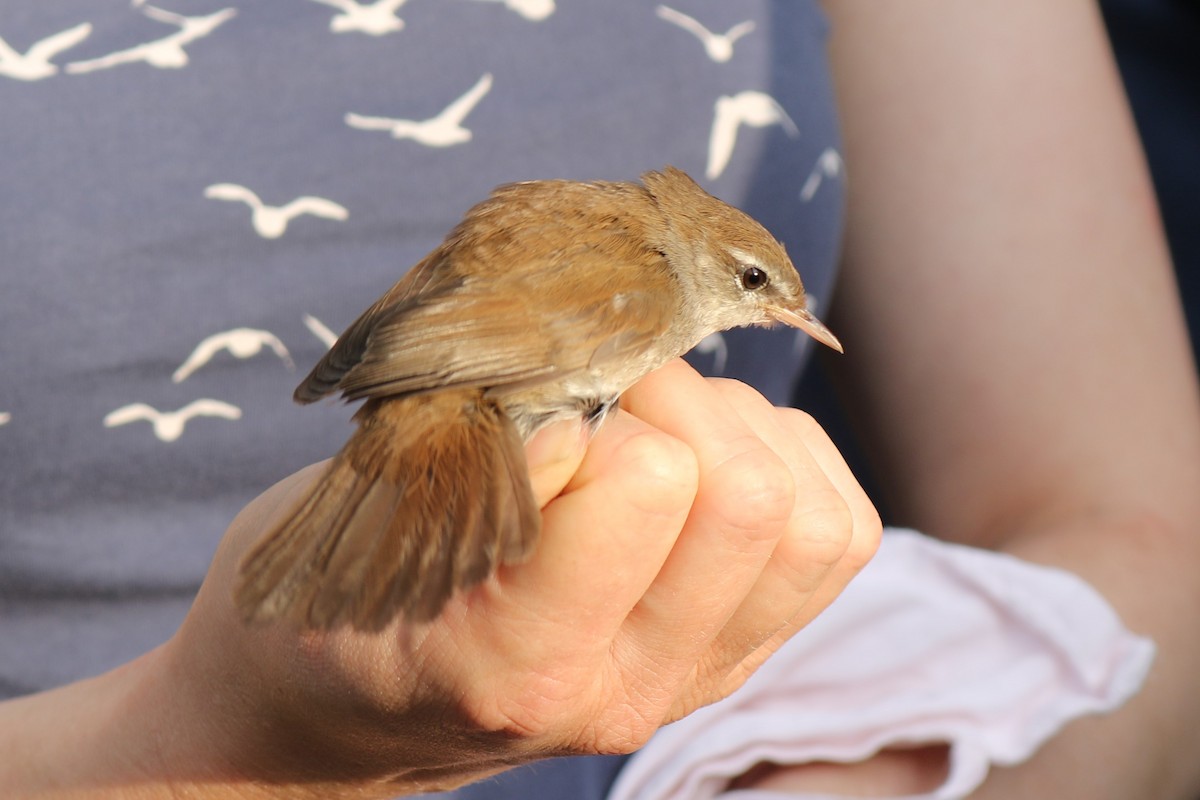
(554, 453)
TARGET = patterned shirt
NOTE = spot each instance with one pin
(196, 194)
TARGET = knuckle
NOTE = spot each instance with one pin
(664, 470)
(800, 422)
(825, 530)
(736, 391)
(868, 531)
(753, 490)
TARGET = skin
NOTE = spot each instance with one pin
(1007, 291)
(712, 524)
(1020, 372)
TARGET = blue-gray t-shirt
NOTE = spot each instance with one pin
(194, 193)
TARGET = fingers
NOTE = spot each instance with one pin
(554, 454)
(833, 532)
(744, 501)
(607, 533)
(778, 527)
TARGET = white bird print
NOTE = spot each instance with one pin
(829, 165)
(320, 330)
(240, 342)
(534, 10)
(168, 425)
(165, 53)
(270, 222)
(718, 46)
(714, 343)
(441, 131)
(756, 109)
(34, 64)
(375, 19)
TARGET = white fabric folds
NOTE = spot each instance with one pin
(932, 643)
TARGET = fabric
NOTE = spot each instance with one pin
(197, 192)
(931, 643)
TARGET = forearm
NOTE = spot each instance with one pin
(90, 739)
(136, 732)
(1019, 362)
(1147, 748)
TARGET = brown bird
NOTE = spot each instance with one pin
(546, 302)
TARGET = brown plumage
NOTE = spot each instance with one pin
(547, 301)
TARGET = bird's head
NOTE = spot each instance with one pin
(730, 268)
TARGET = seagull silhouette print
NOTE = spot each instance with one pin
(375, 19)
(240, 342)
(165, 53)
(718, 46)
(752, 108)
(714, 345)
(34, 64)
(443, 130)
(533, 10)
(320, 330)
(168, 425)
(270, 222)
(829, 165)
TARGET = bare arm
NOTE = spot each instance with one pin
(681, 553)
(1019, 361)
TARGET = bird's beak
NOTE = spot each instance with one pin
(805, 321)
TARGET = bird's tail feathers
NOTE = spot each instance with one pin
(428, 497)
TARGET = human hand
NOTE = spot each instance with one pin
(700, 529)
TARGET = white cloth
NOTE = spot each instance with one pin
(932, 643)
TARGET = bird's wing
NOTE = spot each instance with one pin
(200, 356)
(232, 191)
(129, 413)
(739, 30)
(689, 24)
(391, 6)
(560, 310)
(317, 206)
(371, 123)
(136, 53)
(722, 138)
(279, 348)
(160, 15)
(320, 330)
(457, 111)
(53, 45)
(6, 52)
(785, 119)
(346, 6)
(208, 407)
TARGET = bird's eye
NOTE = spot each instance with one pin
(754, 278)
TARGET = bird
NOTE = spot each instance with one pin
(753, 108)
(533, 10)
(829, 165)
(270, 222)
(546, 302)
(168, 425)
(718, 46)
(240, 342)
(375, 19)
(444, 130)
(164, 53)
(34, 64)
